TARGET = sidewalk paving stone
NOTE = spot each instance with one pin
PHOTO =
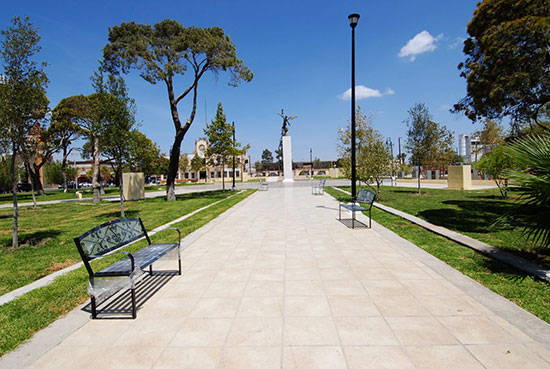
(280, 283)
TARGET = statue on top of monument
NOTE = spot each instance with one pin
(286, 123)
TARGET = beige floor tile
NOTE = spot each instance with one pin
(233, 275)
(316, 357)
(510, 328)
(377, 357)
(364, 331)
(540, 350)
(447, 305)
(343, 306)
(409, 273)
(384, 287)
(373, 273)
(186, 289)
(448, 357)
(215, 307)
(304, 288)
(302, 274)
(336, 274)
(309, 331)
(202, 333)
(271, 274)
(168, 307)
(344, 288)
(95, 331)
(420, 331)
(128, 357)
(399, 305)
(163, 330)
(69, 357)
(306, 306)
(188, 358)
(431, 287)
(251, 358)
(507, 356)
(264, 288)
(256, 332)
(475, 330)
(263, 306)
(225, 289)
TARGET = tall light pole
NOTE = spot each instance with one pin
(388, 142)
(311, 165)
(399, 141)
(233, 187)
(353, 19)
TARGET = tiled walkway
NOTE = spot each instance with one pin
(280, 283)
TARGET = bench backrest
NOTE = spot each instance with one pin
(109, 236)
(366, 196)
(322, 183)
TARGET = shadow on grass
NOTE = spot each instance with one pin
(35, 239)
(472, 216)
(116, 214)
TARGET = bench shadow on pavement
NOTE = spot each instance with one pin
(120, 305)
(357, 224)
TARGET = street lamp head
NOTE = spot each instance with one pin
(353, 19)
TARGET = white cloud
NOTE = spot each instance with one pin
(421, 43)
(363, 92)
(445, 107)
(458, 42)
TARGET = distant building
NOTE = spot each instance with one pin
(209, 172)
(470, 148)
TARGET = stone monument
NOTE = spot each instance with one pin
(286, 147)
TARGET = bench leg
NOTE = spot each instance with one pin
(339, 212)
(151, 270)
(133, 294)
(370, 217)
(353, 219)
(94, 308)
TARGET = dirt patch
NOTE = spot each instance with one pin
(54, 266)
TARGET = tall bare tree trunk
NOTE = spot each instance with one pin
(95, 183)
(223, 174)
(64, 169)
(15, 239)
(121, 184)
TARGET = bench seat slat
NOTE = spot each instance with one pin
(353, 207)
(143, 258)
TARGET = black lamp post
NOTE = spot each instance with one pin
(353, 19)
(311, 163)
(390, 144)
(233, 188)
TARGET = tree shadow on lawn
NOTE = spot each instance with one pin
(116, 214)
(35, 239)
(473, 216)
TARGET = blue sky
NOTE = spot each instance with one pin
(406, 52)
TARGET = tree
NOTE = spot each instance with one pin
(56, 174)
(63, 131)
(495, 164)
(372, 158)
(427, 142)
(23, 99)
(166, 49)
(198, 164)
(144, 155)
(220, 137)
(267, 157)
(119, 115)
(507, 65)
(533, 182)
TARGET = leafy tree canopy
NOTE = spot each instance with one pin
(507, 66)
(267, 157)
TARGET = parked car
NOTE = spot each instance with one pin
(24, 187)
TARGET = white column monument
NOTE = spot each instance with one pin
(287, 160)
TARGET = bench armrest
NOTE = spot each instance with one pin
(129, 255)
(177, 230)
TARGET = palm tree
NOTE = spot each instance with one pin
(533, 212)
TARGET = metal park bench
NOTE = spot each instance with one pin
(108, 238)
(263, 185)
(318, 188)
(365, 197)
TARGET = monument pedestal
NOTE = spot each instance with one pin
(287, 159)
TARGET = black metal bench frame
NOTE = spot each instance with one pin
(364, 196)
(263, 185)
(107, 238)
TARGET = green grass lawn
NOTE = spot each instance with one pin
(468, 212)
(532, 295)
(26, 315)
(46, 233)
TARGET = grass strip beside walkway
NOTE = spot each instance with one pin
(21, 318)
(520, 288)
